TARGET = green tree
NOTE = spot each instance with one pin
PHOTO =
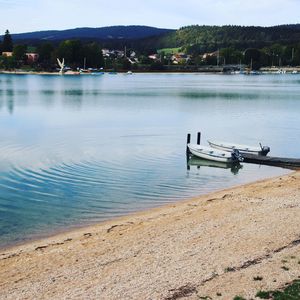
(19, 53)
(7, 44)
(7, 63)
(296, 56)
(227, 54)
(156, 66)
(126, 65)
(93, 54)
(72, 52)
(211, 60)
(252, 57)
(45, 52)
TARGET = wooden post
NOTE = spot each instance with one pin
(188, 140)
(198, 138)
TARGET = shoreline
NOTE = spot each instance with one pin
(205, 71)
(82, 226)
(108, 73)
(189, 243)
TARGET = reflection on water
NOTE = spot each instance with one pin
(198, 162)
(76, 150)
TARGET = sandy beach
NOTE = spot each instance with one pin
(233, 242)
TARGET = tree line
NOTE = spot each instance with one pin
(258, 46)
(73, 51)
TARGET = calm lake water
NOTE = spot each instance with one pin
(80, 149)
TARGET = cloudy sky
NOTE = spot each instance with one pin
(33, 15)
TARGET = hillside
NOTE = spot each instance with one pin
(102, 33)
(193, 39)
(210, 38)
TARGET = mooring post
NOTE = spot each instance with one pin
(198, 138)
(188, 140)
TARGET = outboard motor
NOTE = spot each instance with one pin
(265, 150)
(236, 155)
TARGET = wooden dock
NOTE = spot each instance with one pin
(283, 162)
(290, 163)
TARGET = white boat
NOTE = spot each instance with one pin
(260, 150)
(214, 155)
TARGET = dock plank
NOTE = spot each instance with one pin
(291, 163)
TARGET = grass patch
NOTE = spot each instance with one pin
(263, 295)
(291, 292)
(168, 50)
(238, 298)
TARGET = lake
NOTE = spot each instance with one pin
(75, 150)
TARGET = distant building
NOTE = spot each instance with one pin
(105, 52)
(7, 54)
(211, 54)
(113, 53)
(180, 58)
(154, 56)
(32, 57)
(132, 54)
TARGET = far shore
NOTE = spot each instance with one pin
(228, 243)
(203, 70)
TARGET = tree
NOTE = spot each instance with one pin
(19, 53)
(7, 45)
(156, 66)
(93, 54)
(126, 65)
(45, 52)
(72, 52)
(7, 63)
(252, 57)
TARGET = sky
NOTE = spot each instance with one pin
(34, 15)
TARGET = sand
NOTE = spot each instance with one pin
(233, 242)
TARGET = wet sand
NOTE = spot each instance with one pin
(233, 242)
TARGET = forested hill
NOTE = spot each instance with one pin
(240, 37)
(102, 33)
(192, 39)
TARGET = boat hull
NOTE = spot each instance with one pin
(241, 148)
(211, 154)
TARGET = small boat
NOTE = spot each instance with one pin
(215, 155)
(97, 73)
(261, 150)
(70, 72)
